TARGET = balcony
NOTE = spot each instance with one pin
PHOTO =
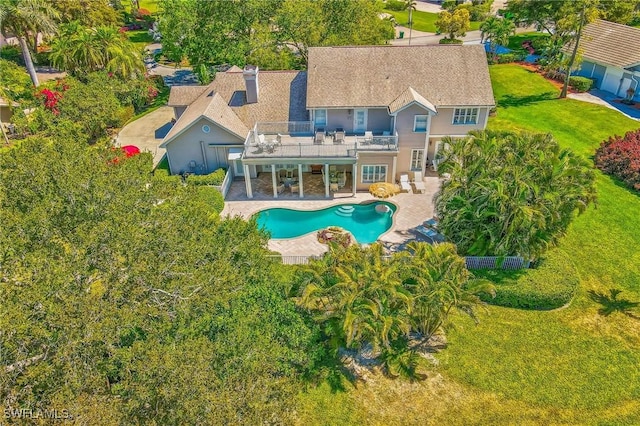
(298, 140)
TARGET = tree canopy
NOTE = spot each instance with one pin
(272, 34)
(455, 23)
(128, 299)
(510, 193)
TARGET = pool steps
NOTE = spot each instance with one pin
(345, 211)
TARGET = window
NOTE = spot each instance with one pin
(206, 129)
(465, 116)
(420, 123)
(320, 117)
(371, 174)
(416, 159)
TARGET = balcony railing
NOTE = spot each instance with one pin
(378, 143)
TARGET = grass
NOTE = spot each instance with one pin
(150, 5)
(566, 366)
(515, 41)
(140, 38)
(422, 21)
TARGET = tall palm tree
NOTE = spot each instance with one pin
(24, 19)
(410, 5)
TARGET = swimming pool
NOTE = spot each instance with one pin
(365, 221)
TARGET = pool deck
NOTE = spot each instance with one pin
(413, 209)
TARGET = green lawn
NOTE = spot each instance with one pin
(567, 366)
(515, 41)
(140, 38)
(422, 21)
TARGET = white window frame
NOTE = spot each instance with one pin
(415, 123)
(315, 117)
(465, 116)
(379, 170)
(417, 159)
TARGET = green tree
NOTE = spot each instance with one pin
(510, 193)
(25, 19)
(455, 24)
(89, 13)
(497, 31)
(80, 50)
(620, 11)
(114, 308)
(410, 5)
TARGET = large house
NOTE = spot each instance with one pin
(611, 56)
(358, 115)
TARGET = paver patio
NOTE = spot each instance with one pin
(413, 210)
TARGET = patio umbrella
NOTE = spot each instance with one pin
(130, 150)
(383, 189)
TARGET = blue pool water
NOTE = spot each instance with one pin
(364, 221)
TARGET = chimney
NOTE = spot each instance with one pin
(250, 74)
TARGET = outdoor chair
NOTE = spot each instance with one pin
(282, 174)
(294, 188)
(418, 182)
(428, 232)
(404, 183)
(338, 137)
(368, 137)
(280, 188)
(319, 139)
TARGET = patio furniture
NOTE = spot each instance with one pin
(432, 222)
(319, 139)
(338, 137)
(282, 174)
(418, 182)
(280, 188)
(342, 179)
(404, 183)
(428, 232)
(368, 137)
(333, 187)
(294, 188)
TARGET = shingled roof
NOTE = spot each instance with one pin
(375, 76)
(282, 98)
(407, 97)
(609, 43)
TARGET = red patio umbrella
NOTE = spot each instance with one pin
(130, 150)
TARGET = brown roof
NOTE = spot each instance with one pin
(184, 95)
(407, 97)
(375, 76)
(610, 44)
(282, 96)
(212, 106)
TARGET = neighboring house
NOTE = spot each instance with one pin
(371, 112)
(611, 56)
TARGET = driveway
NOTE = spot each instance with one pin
(147, 132)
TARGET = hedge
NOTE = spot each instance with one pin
(395, 5)
(580, 84)
(505, 58)
(212, 197)
(620, 157)
(216, 178)
(450, 41)
(550, 285)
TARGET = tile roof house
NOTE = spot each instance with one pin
(611, 56)
(358, 115)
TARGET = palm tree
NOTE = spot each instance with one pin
(439, 282)
(497, 31)
(24, 19)
(80, 50)
(410, 5)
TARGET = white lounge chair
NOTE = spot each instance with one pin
(404, 183)
(368, 137)
(319, 139)
(338, 137)
(418, 182)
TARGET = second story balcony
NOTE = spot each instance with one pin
(302, 140)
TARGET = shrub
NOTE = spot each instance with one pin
(216, 178)
(335, 234)
(12, 53)
(580, 84)
(450, 41)
(549, 286)
(505, 58)
(620, 157)
(395, 5)
(212, 197)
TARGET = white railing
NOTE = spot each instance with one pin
(378, 143)
(226, 183)
(284, 127)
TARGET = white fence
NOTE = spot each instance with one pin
(473, 262)
(226, 183)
